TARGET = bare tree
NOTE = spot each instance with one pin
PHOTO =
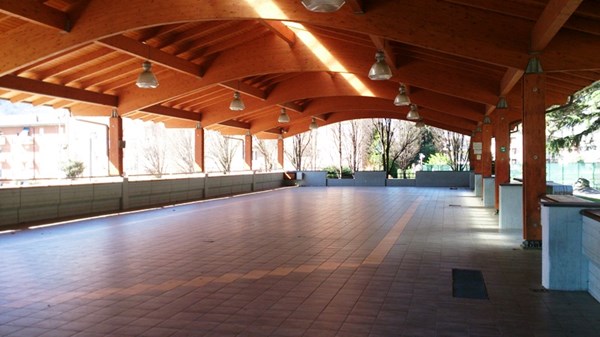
(155, 152)
(223, 151)
(300, 148)
(395, 142)
(182, 140)
(409, 143)
(266, 149)
(338, 141)
(456, 147)
(356, 150)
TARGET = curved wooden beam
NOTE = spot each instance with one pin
(475, 39)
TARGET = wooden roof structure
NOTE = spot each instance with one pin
(456, 58)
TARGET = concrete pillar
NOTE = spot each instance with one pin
(534, 155)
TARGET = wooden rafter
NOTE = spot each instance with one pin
(356, 6)
(59, 91)
(554, 16)
(144, 51)
(280, 30)
(36, 12)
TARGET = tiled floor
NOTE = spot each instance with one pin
(294, 262)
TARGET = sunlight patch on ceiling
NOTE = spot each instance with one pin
(267, 9)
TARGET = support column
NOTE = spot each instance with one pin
(199, 148)
(534, 155)
(502, 165)
(115, 145)
(486, 151)
(248, 151)
(280, 151)
(476, 139)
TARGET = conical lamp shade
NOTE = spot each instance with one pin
(147, 80)
(413, 114)
(323, 6)
(313, 124)
(236, 103)
(502, 103)
(380, 70)
(534, 66)
(401, 99)
(283, 116)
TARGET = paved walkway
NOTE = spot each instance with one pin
(294, 262)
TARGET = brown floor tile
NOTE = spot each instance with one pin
(365, 262)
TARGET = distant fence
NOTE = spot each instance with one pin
(567, 174)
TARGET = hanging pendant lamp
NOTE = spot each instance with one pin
(413, 113)
(502, 103)
(402, 99)
(323, 6)
(146, 79)
(313, 124)
(283, 116)
(534, 66)
(380, 70)
(236, 103)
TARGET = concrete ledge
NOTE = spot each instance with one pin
(591, 249)
(340, 182)
(50, 203)
(313, 178)
(489, 192)
(443, 178)
(401, 182)
(510, 214)
(564, 266)
(370, 178)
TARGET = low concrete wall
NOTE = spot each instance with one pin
(313, 178)
(489, 192)
(478, 183)
(564, 266)
(591, 249)
(370, 178)
(47, 203)
(340, 182)
(442, 178)
(401, 182)
(511, 206)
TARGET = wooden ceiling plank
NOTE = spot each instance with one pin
(36, 12)
(236, 124)
(144, 51)
(356, 6)
(54, 90)
(292, 106)
(20, 97)
(75, 62)
(171, 112)
(509, 80)
(384, 45)
(82, 73)
(245, 89)
(281, 30)
(554, 16)
(479, 38)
